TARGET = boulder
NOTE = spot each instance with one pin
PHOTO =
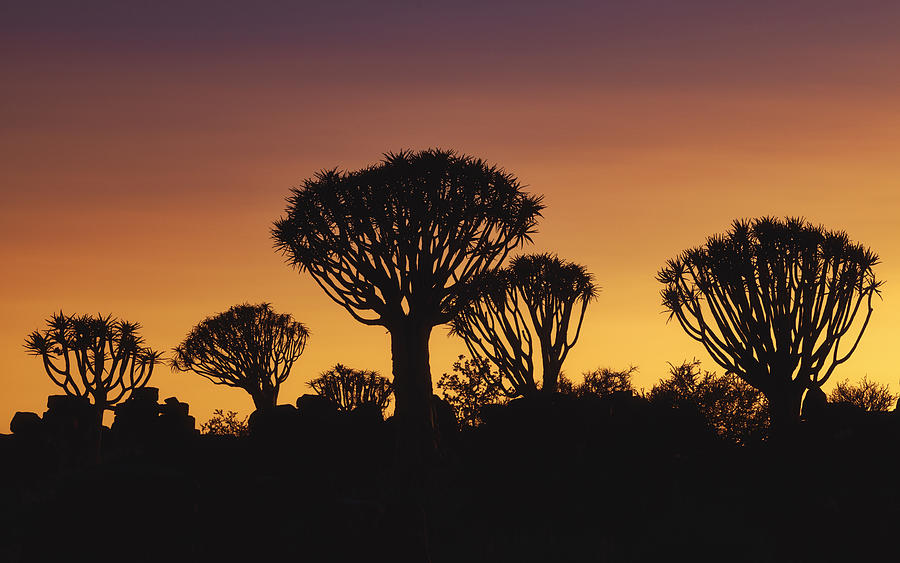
(317, 408)
(814, 405)
(26, 424)
(137, 418)
(174, 421)
(277, 421)
(67, 413)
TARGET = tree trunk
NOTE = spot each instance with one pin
(415, 445)
(550, 376)
(784, 412)
(264, 401)
(412, 391)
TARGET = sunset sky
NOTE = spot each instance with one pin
(146, 151)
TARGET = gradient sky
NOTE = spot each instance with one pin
(146, 150)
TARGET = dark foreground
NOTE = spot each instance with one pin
(558, 480)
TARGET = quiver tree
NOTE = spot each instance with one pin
(248, 346)
(771, 300)
(391, 244)
(349, 388)
(535, 305)
(100, 358)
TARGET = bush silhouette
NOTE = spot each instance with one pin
(869, 396)
(351, 388)
(250, 347)
(390, 243)
(469, 388)
(96, 357)
(770, 301)
(604, 382)
(733, 409)
(535, 306)
(225, 423)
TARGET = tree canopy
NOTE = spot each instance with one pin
(394, 239)
(248, 346)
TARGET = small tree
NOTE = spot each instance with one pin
(733, 409)
(248, 346)
(603, 382)
(108, 354)
(469, 388)
(351, 388)
(537, 297)
(771, 301)
(868, 395)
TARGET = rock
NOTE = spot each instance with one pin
(173, 406)
(273, 422)
(316, 407)
(174, 421)
(26, 424)
(814, 405)
(444, 418)
(368, 414)
(137, 418)
(67, 413)
(145, 394)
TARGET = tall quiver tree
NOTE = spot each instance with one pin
(250, 347)
(108, 354)
(391, 243)
(770, 300)
(538, 297)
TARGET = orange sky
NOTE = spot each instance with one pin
(144, 156)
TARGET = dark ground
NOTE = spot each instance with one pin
(562, 480)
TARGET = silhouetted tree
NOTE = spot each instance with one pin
(350, 388)
(469, 388)
(390, 243)
(867, 395)
(223, 423)
(731, 407)
(108, 354)
(538, 296)
(770, 301)
(248, 346)
(603, 382)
